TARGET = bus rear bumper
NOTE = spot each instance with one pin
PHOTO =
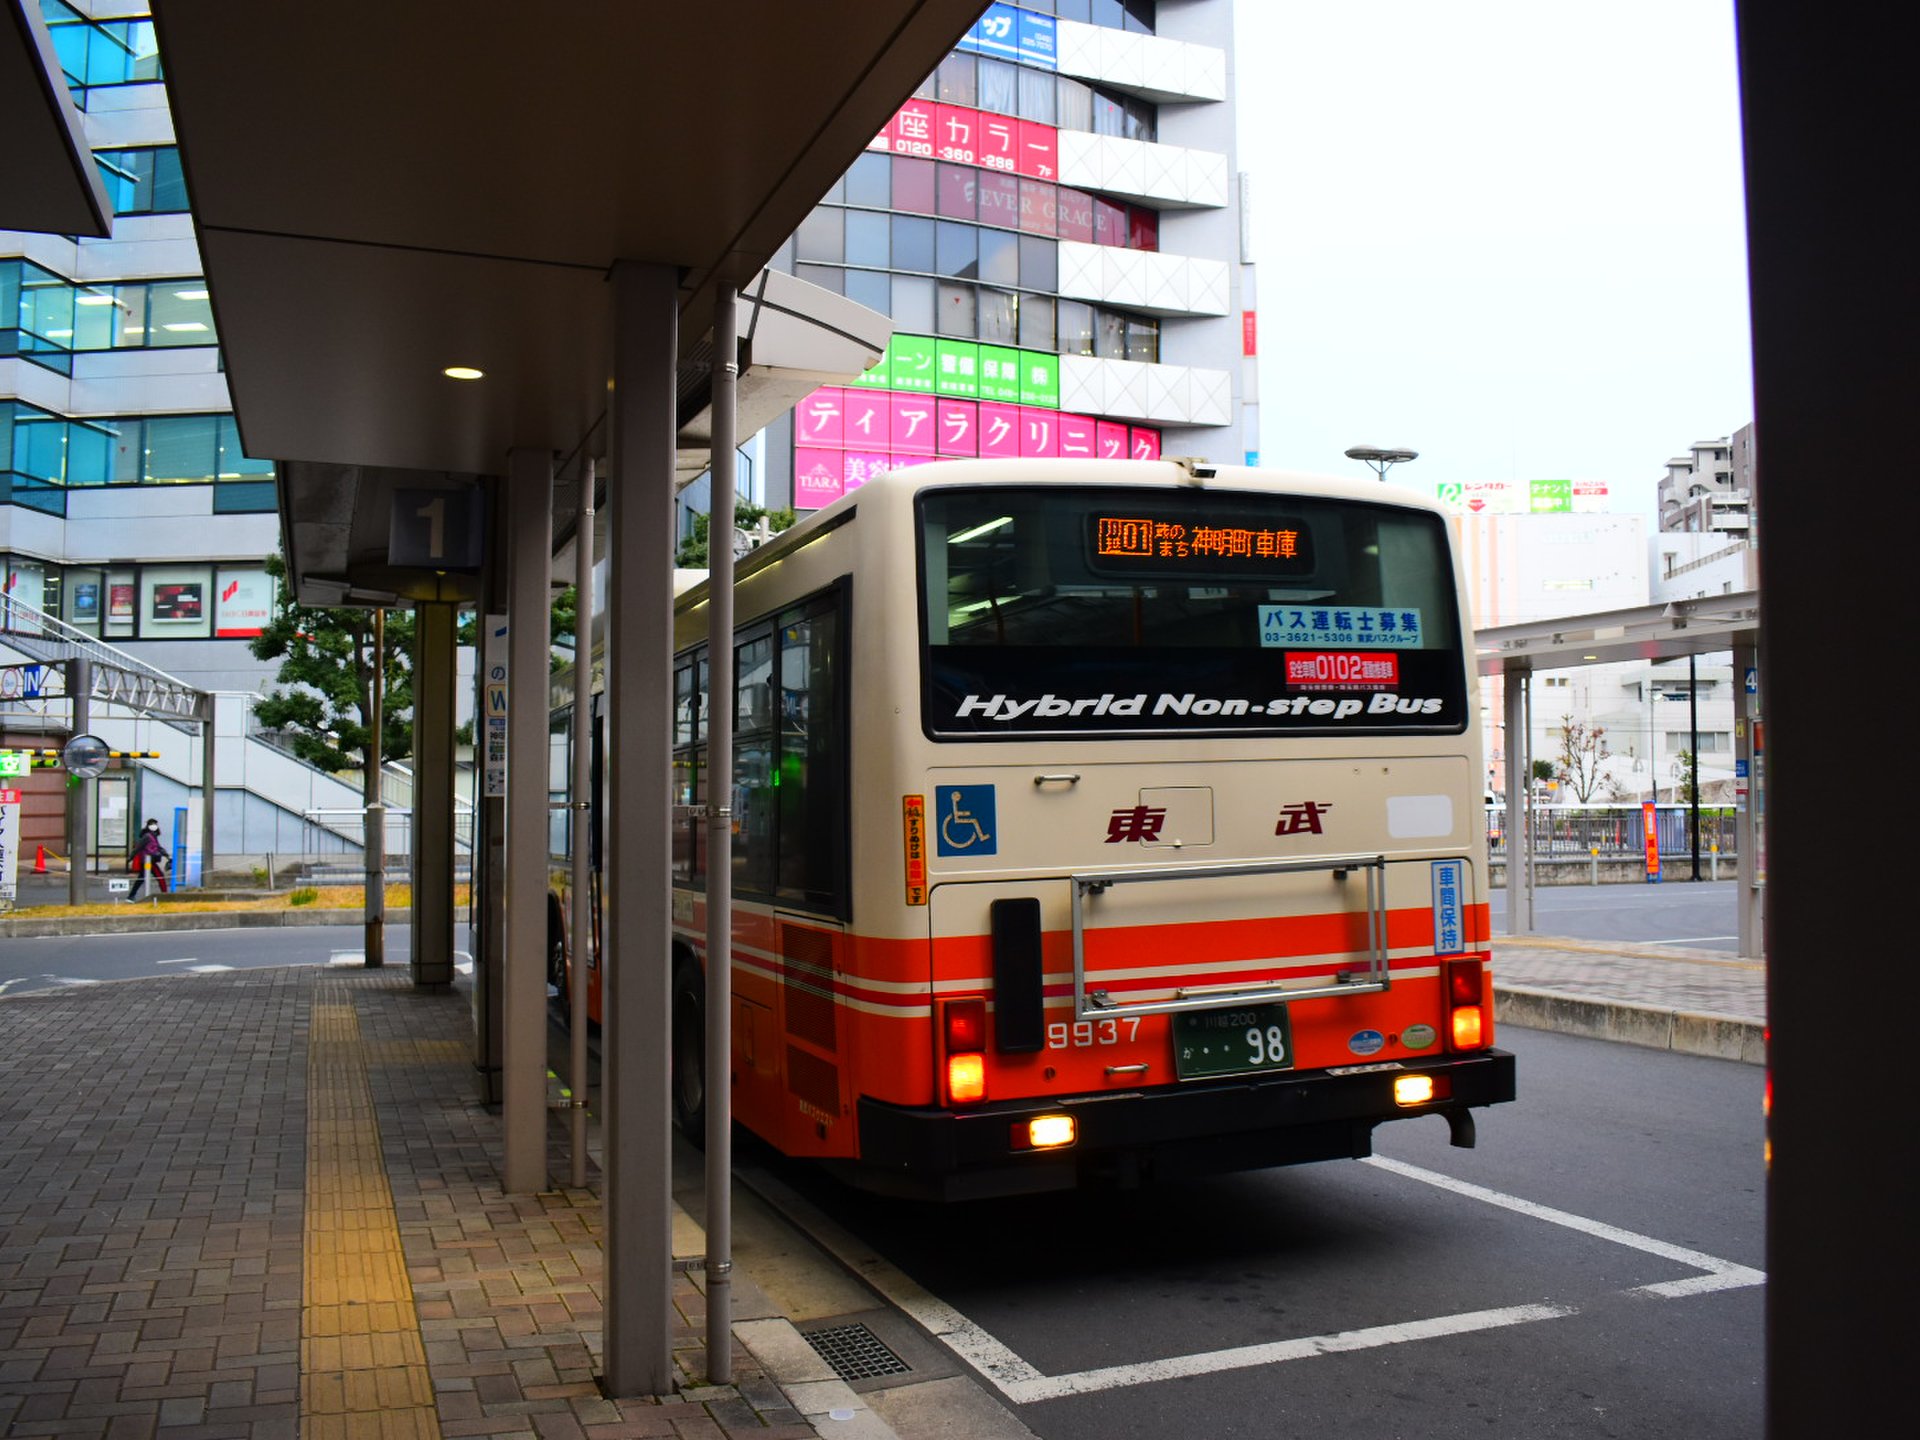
(1135, 1136)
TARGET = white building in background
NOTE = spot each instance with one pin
(1534, 552)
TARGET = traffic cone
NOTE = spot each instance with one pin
(39, 859)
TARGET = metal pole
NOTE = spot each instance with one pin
(719, 1080)
(375, 842)
(79, 796)
(1693, 752)
(582, 954)
(209, 745)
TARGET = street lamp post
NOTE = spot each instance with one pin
(1381, 460)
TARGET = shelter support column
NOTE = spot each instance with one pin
(1517, 833)
(524, 996)
(639, 689)
(433, 793)
(209, 749)
(80, 798)
(1749, 752)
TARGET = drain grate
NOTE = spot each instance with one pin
(856, 1353)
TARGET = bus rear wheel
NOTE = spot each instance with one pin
(690, 1053)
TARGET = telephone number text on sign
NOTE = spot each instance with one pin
(1342, 670)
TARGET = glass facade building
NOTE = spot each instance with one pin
(1052, 223)
(129, 507)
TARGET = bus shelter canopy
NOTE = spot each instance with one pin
(48, 182)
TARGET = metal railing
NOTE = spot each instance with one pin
(1616, 832)
(119, 678)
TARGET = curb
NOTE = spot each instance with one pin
(1717, 1037)
(188, 920)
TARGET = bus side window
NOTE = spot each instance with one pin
(753, 780)
(812, 766)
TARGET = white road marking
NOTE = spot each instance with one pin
(1023, 1384)
(1721, 1274)
(208, 969)
(190, 960)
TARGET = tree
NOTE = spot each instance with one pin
(1583, 751)
(692, 554)
(1686, 777)
(327, 662)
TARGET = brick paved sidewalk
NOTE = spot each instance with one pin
(198, 1238)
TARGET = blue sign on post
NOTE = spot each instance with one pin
(186, 864)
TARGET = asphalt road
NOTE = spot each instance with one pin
(1698, 916)
(1584, 1272)
(54, 962)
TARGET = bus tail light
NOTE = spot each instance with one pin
(966, 1079)
(1466, 1004)
(963, 1026)
(1044, 1132)
(1410, 1090)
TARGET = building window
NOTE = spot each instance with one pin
(913, 305)
(998, 317)
(822, 236)
(958, 81)
(912, 244)
(868, 236)
(955, 311)
(913, 184)
(1000, 259)
(144, 181)
(869, 182)
(1001, 83)
(871, 288)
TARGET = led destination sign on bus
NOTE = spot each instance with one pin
(1217, 546)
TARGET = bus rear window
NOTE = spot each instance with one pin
(1109, 610)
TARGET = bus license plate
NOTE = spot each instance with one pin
(1242, 1041)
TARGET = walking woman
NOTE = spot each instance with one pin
(148, 858)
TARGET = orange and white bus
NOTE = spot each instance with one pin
(1093, 822)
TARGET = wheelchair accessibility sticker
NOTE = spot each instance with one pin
(966, 825)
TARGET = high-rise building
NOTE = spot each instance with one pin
(1710, 489)
(1053, 221)
(128, 507)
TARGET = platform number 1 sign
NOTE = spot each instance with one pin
(436, 529)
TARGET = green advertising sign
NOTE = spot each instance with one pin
(15, 762)
(1039, 379)
(1000, 373)
(958, 369)
(1550, 497)
(913, 363)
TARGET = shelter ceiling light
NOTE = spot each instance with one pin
(462, 372)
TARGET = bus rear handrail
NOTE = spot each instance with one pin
(1097, 1004)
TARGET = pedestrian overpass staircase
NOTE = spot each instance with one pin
(274, 806)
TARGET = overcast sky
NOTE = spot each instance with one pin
(1507, 234)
